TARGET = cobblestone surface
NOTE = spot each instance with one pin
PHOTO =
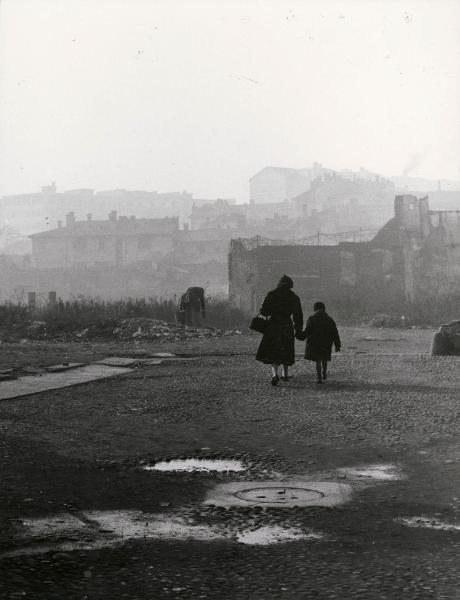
(386, 402)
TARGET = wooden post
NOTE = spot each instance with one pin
(31, 300)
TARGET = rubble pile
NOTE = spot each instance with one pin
(446, 341)
(123, 330)
(153, 329)
(383, 320)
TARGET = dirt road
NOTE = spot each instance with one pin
(83, 519)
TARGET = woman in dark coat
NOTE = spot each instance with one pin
(283, 307)
(321, 332)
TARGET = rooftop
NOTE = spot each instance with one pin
(112, 227)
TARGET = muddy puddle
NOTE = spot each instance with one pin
(194, 465)
(266, 536)
(429, 523)
(94, 530)
(373, 472)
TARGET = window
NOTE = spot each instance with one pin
(144, 242)
(80, 244)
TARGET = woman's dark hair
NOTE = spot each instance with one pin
(285, 282)
(319, 306)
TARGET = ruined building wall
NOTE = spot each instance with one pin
(438, 266)
(430, 244)
(412, 215)
(242, 275)
(404, 237)
(414, 258)
(371, 277)
(314, 269)
(426, 248)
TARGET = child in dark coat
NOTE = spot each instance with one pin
(320, 333)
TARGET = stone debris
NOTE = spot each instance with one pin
(134, 328)
(384, 320)
(446, 341)
(34, 384)
(24, 380)
(63, 367)
(118, 361)
(452, 328)
(7, 375)
(154, 329)
(381, 339)
(153, 363)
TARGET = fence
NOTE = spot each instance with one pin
(317, 239)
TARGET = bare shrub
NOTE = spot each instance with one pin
(102, 316)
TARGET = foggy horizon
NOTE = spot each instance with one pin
(199, 97)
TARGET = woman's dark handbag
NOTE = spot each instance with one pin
(259, 324)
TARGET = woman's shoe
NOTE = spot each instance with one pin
(285, 377)
(319, 381)
(275, 380)
(324, 375)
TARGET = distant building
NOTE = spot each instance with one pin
(406, 184)
(220, 214)
(258, 213)
(444, 199)
(13, 243)
(321, 186)
(350, 202)
(277, 184)
(226, 214)
(118, 241)
(146, 204)
(35, 212)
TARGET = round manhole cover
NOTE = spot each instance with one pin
(278, 495)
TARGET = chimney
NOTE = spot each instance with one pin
(113, 215)
(59, 224)
(70, 219)
(89, 217)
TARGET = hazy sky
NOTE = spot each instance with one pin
(172, 95)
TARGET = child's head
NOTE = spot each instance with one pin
(319, 306)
